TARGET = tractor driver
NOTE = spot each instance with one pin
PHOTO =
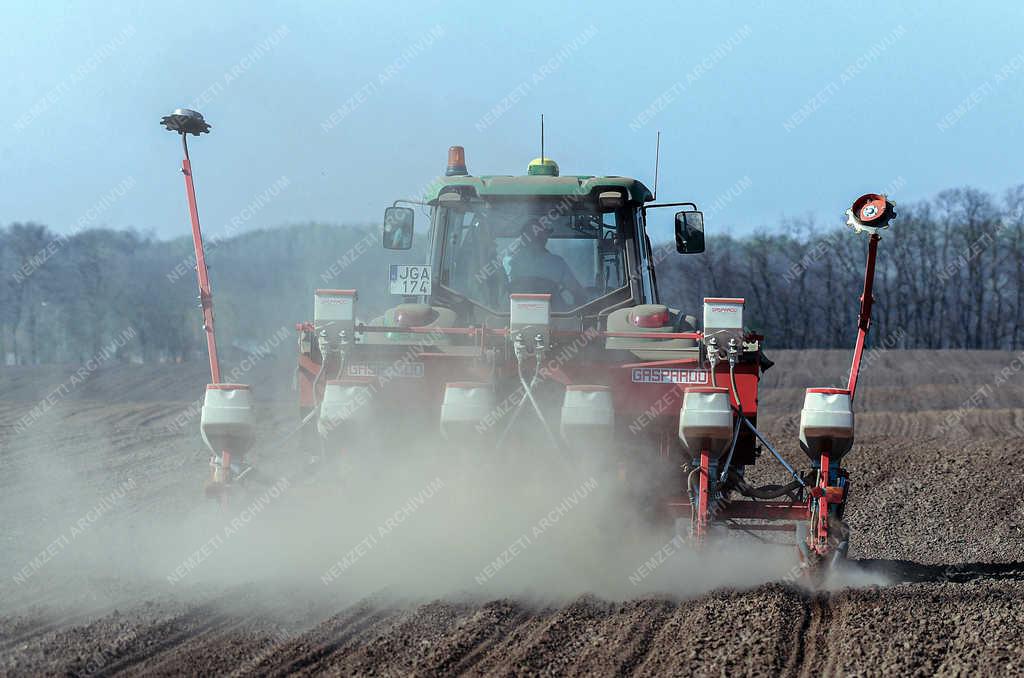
(533, 269)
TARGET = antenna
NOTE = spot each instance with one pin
(657, 158)
(542, 139)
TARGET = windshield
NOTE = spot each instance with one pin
(575, 254)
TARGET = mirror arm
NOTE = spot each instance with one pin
(672, 204)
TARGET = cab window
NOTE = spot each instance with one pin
(491, 250)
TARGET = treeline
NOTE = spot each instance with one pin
(64, 299)
(950, 275)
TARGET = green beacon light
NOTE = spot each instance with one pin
(542, 167)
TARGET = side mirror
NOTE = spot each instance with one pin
(398, 229)
(690, 232)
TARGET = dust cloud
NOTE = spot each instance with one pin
(412, 522)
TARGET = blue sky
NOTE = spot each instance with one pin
(767, 110)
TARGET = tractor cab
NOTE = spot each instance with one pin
(579, 239)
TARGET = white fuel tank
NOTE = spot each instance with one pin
(706, 420)
(826, 423)
(226, 419)
(466, 408)
(587, 411)
(346, 404)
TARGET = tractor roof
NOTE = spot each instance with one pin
(525, 186)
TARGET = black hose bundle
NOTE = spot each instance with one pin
(764, 491)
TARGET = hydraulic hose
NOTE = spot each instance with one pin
(324, 351)
(739, 419)
(519, 351)
(764, 491)
(735, 391)
(775, 454)
(767, 491)
(341, 363)
(732, 447)
(689, 485)
(319, 376)
(529, 394)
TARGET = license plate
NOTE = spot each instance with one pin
(669, 375)
(400, 369)
(409, 280)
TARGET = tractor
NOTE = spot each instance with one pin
(535, 322)
(536, 318)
